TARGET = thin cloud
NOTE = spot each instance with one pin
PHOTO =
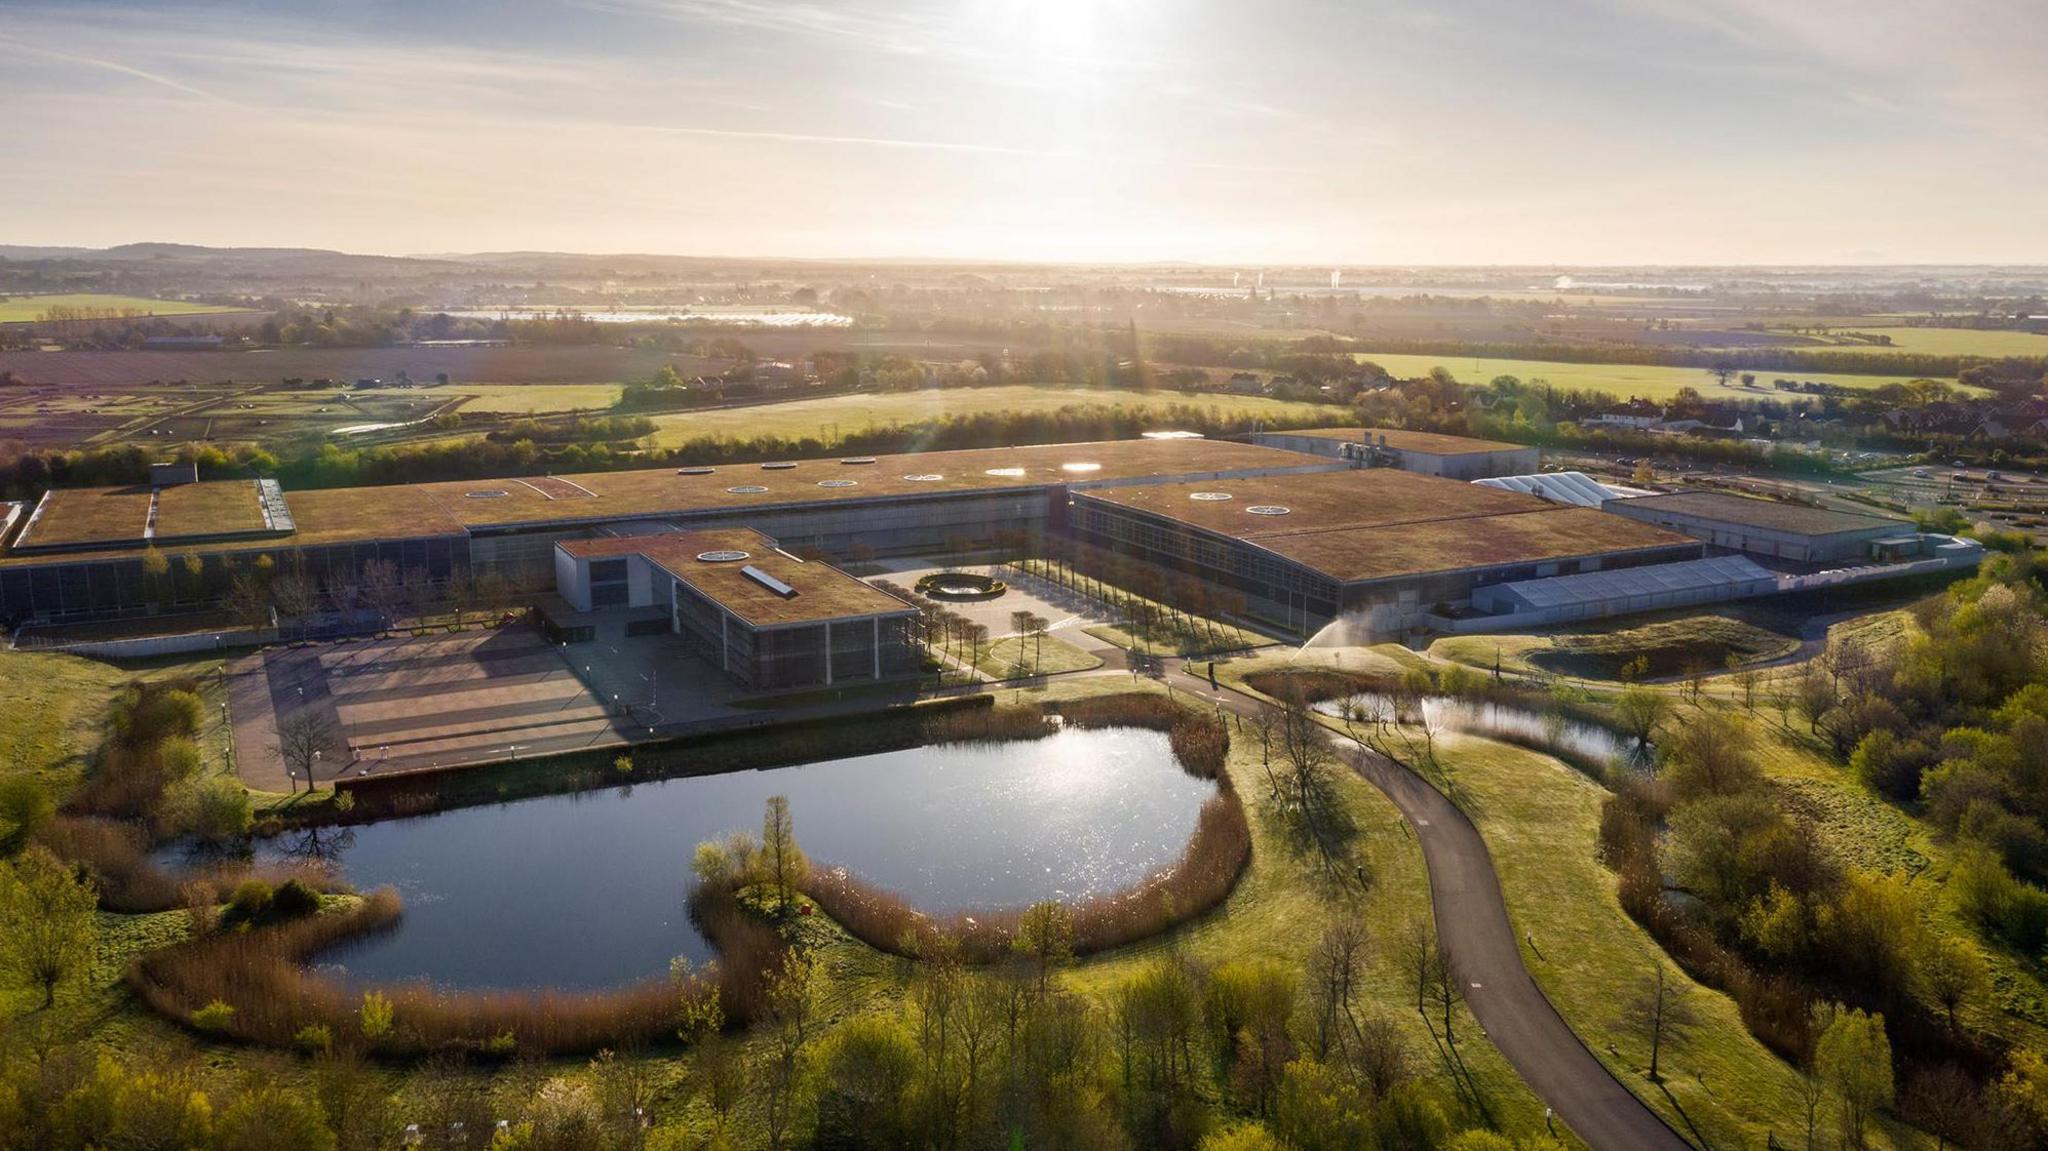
(119, 68)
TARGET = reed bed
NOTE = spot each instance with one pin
(116, 853)
(262, 975)
(1203, 877)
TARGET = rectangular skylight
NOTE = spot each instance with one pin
(768, 581)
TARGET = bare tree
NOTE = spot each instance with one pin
(383, 589)
(304, 739)
(1659, 1012)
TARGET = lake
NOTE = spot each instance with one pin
(587, 890)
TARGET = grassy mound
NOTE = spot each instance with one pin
(1671, 647)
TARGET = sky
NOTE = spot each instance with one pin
(1350, 132)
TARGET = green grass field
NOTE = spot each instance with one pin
(835, 416)
(25, 309)
(1651, 382)
(1947, 342)
(1014, 656)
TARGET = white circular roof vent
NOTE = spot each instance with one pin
(1211, 497)
(1080, 467)
(747, 490)
(1004, 472)
(695, 471)
(1267, 510)
(838, 483)
(858, 460)
(487, 494)
(924, 477)
(781, 467)
(724, 556)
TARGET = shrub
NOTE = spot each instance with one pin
(179, 757)
(221, 810)
(250, 900)
(24, 805)
(314, 1039)
(215, 1016)
(262, 974)
(294, 898)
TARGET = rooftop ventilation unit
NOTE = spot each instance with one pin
(1004, 472)
(486, 494)
(838, 483)
(746, 489)
(1267, 510)
(924, 477)
(768, 581)
(724, 556)
(695, 471)
(853, 460)
(1210, 497)
(780, 467)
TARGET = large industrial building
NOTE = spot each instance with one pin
(1296, 531)
(1795, 533)
(1302, 550)
(104, 552)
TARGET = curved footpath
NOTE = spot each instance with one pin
(1472, 921)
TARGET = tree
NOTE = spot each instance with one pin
(784, 860)
(1020, 623)
(1045, 937)
(1659, 1012)
(1952, 972)
(1943, 1102)
(1854, 1057)
(1639, 710)
(47, 912)
(304, 739)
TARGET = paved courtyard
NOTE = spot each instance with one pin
(408, 702)
(413, 701)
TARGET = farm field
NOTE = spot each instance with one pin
(1948, 342)
(835, 416)
(27, 309)
(1648, 381)
(515, 365)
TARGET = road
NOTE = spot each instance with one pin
(1472, 921)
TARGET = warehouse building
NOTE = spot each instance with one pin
(1425, 453)
(1794, 533)
(88, 553)
(1597, 595)
(766, 618)
(1300, 551)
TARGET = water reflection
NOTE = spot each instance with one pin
(1584, 742)
(588, 890)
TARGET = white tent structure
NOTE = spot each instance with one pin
(1575, 488)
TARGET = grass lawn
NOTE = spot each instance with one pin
(1014, 657)
(831, 417)
(1541, 822)
(24, 309)
(58, 703)
(1649, 381)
